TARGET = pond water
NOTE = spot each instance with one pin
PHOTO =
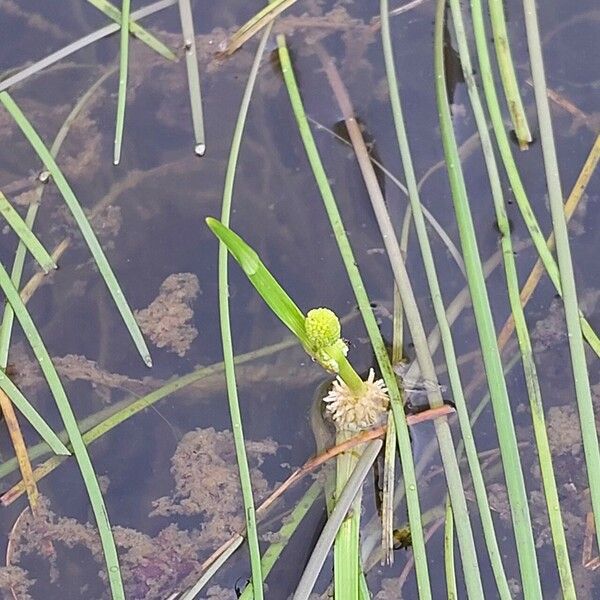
(168, 472)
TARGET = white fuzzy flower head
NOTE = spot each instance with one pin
(351, 412)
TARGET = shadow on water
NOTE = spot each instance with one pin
(169, 474)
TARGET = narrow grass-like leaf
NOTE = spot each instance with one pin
(387, 500)
(82, 222)
(34, 418)
(123, 69)
(403, 437)
(112, 12)
(529, 367)
(70, 422)
(563, 253)
(20, 449)
(211, 571)
(228, 358)
(346, 555)
(538, 269)
(256, 23)
(191, 65)
(335, 520)
(50, 59)
(516, 184)
(18, 225)
(20, 254)
(485, 329)
(507, 73)
(273, 552)
(417, 330)
(265, 284)
(452, 592)
(439, 309)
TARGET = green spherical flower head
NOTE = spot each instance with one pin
(323, 328)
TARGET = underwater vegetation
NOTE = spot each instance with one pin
(392, 389)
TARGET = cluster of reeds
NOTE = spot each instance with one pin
(368, 414)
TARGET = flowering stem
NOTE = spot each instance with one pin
(346, 371)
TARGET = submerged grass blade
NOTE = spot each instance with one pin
(228, 358)
(529, 367)
(123, 68)
(20, 254)
(485, 329)
(80, 43)
(18, 443)
(191, 66)
(256, 23)
(449, 569)
(440, 312)
(265, 284)
(403, 437)
(112, 12)
(85, 465)
(518, 190)
(344, 501)
(18, 225)
(507, 73)
(82, 222)
(417, 330)
(34, 418)
(563, 253)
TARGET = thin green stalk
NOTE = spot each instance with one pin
(563, 253)
(485, 70)
(346, 556)
(531, 378)
(440, 312)
(273, 552)
(123, 68)
(449, 553)
(112, 12)
(343, 503)
(419, 338)
(34, 418)
(403, 437)
(485, 329)
(507, 73)
(21, 252)
(82, 222)
(18, 225)
(191, 66)
(85, 465)
(228, 359)
(387, 501)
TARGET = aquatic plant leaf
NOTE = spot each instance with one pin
(82, 222)
(485, 326)
(18, 225)
(260, 277)
(112, 12)
(193, 77)
(70, 422)
(34, 418)
(123, 68)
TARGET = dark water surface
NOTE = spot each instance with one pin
(171, 483)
